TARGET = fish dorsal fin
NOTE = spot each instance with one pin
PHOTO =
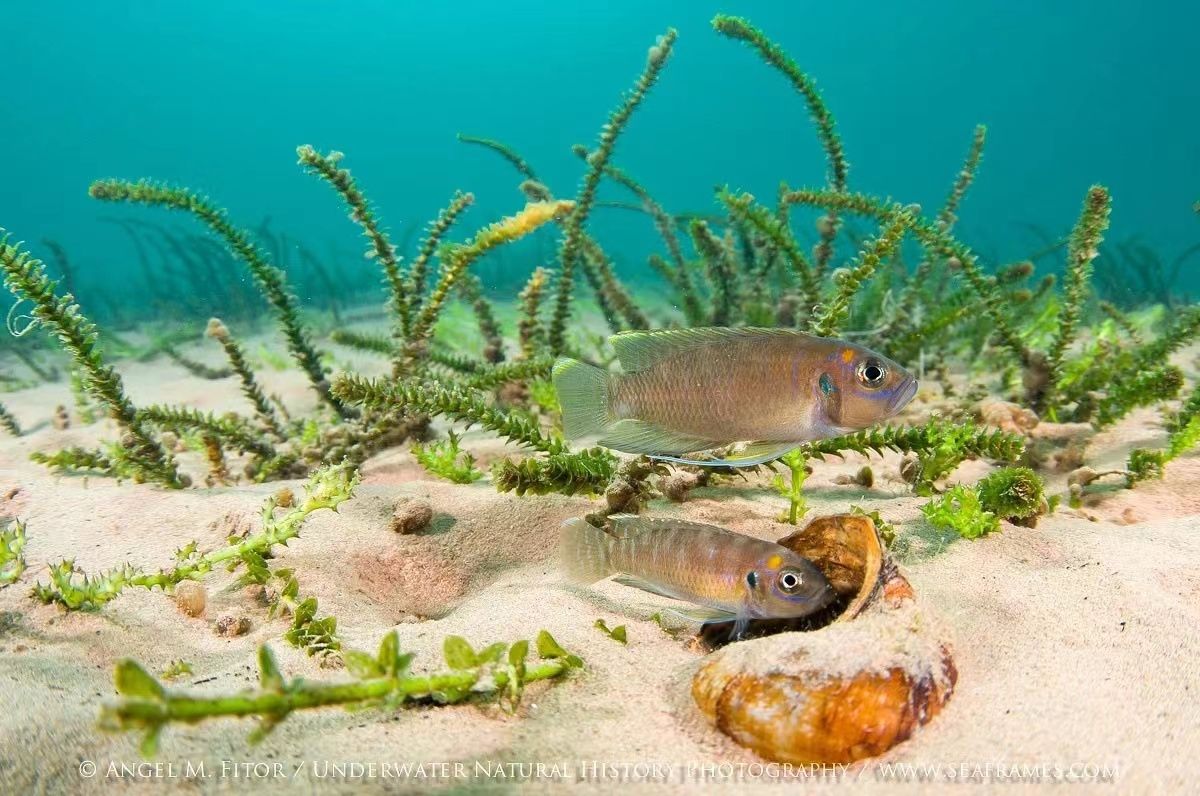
(642, 436)
(643, 349)
(754, 454)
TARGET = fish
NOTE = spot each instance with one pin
(731, 576)
(684, 391)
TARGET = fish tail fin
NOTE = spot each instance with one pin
(585, 395)
(584, 551)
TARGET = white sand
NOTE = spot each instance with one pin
(1076, 642)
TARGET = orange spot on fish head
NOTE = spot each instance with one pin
(847, 355)
(774, 562)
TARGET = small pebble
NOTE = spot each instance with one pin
(677, 485)
(191, 598)
(411, 516)
(230, 625)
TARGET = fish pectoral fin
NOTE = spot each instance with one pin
(642, 436)
(754, 454)
(701, 614)
(644, 585)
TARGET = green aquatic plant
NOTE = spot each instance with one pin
(363, 341)
(176, 669)
(530, 333)
(383, 680)
(741, 30)
(848, 282)
(521, 370)
(26, 277)
(471, 289)
(263, 410)
(449, 400)
(570, 251)
(1082, 249)
(1183, 435)
(960, 510)
(316, 636)
(229, 429)
(12, 553)
(457, 258)
(195, 367)
(446, 459)
(584, 472)
(112, 461)
(722, 273)
(793, 488)
(75, 590)
(8, 422)
(948, 216)
(1013, 493)
(939, 445)
(328, 167)
(83, 405)
(270, 279)
(508, 153)
(617, 634)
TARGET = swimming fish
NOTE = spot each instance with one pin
(734, 577)
(689, 390)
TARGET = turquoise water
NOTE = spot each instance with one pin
(217, 95)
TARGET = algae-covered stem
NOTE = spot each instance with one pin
(774, 55)
(237, 361)
(382, 680)
(456, 260)
(328, 168)
(26, 277)
(270, 279)
(597, 160)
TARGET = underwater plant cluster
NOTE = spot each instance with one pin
(1038, 347)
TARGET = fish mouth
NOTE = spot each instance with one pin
(903, 396)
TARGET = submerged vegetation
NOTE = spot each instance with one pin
(384, 680)
(1042, 341)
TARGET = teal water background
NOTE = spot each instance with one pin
(217, 95)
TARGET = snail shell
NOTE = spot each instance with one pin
(851, 689)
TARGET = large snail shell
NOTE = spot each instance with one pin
(838, 693)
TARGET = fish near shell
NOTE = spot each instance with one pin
(843, 692)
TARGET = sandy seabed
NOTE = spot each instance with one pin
(1077, 642)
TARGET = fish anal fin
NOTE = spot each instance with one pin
(753, 454)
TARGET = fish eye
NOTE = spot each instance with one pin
(872, 372)
(789, 580)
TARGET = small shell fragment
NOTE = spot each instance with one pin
(191, 598)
